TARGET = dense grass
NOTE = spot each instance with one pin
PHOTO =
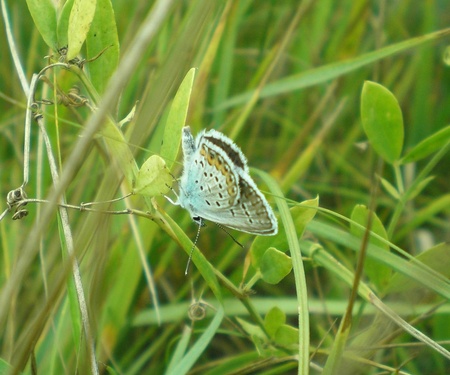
(286, 80)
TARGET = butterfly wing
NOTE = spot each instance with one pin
(252, 212)
(216, 186)
(209, 181)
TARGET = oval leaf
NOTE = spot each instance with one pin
(273, 320)
(275, 266)
(102, 45)
(382, 121)
(43, 13)
(80, 20)
(287, 336)
(153, 178)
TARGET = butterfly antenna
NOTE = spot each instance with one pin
(225, 230)
(200, 224)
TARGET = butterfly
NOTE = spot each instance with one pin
(216, 185)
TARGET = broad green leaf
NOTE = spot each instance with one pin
(275, 266)
(43, 13)
(300, 215)
(382, 121)
(287, 336)
(176, 120)
(63, 24)
(273, 320)
(304, 213)
(379, 274)
(429, 145)
(262, 243)
(102, 39)
(153, 178)
(80, 20)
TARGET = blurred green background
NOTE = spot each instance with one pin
(283, 79)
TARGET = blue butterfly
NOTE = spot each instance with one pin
(216, 185)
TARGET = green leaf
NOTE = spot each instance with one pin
(63, 24)
(176, 120)
(275, 266)
(300, 215)
(153, 178)
(398, 263)
(43, 13)
(438, 259)
(186, 363)
(393, 192)
(252, 329)
(379, 274)
(5, 367)
(326, 73)
(102, 39)
(110, 370)
(273, 320)
(262, 243)
(304, 213)
(287, 336)
(80, 20)
(429, 145)
(382, 121)
(181, 348)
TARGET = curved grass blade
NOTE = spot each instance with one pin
(329, 72)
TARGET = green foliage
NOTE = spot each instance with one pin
(63, 24)
(428, 146)
(44, 17)
(102, 39)
(275, 266)
(153, 178)
(377, 273)
(342, 100)
(176, 120)
(81, 17)
(382, 121)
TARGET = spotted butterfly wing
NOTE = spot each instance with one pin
(216, 185)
